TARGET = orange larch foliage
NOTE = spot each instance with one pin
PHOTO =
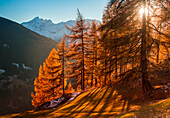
(48, 84)
(78, 47)
(70, 88)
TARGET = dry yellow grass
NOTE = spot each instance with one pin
(105, 102)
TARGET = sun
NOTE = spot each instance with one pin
(141, 11)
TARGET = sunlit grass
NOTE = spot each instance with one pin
(159, 109)
(97, 103)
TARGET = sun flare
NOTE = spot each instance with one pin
(141, 11)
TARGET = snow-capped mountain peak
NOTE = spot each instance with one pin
(48, 28)
(39, 21)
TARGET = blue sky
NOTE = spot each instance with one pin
(56, 10)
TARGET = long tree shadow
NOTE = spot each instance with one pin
(81, 102)
(105, 104)
(35, 114)
(91, 99)
(125, 100)
(88, 99)
(113, 105)
(126, 104)
(48, 111)
(97, 103)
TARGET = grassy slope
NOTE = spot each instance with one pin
(105, 102)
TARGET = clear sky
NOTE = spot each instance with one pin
(56, 10)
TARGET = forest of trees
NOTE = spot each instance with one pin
(131, 41)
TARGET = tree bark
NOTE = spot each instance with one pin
(146, 85)
(116, 63)
(105, 69)
(63, 69)
(92, 67)
(95, 63)
(82, 57)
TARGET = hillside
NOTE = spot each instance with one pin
(21, 53)
(22, 46)
(104, 102)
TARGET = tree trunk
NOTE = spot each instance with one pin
(92, 71)
(92, 67)
(83, 59)
(95, 63)
(63, 69)
(81, 79)
(146, 85)
(109, 67)
(158, 47)
(116, 63)
(105, 68)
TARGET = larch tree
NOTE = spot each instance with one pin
(70, 88)
(124, 34)
(77, 49)
(92, 52)
(132, 34)
(48, 84)
(39, 85)
(53, 70)
(62, 50)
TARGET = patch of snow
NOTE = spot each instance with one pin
(15, 76)
(26, 67)
(2, 71)
(54, 103)
(5, 45)
(4, 81)
(27, 80)
(11, 79)
(15, 64)
(74, 96)
(166, 87)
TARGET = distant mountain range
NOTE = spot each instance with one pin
(48, 28)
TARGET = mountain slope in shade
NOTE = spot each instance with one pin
(48, 28)
(21, 53)
(18, 45)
